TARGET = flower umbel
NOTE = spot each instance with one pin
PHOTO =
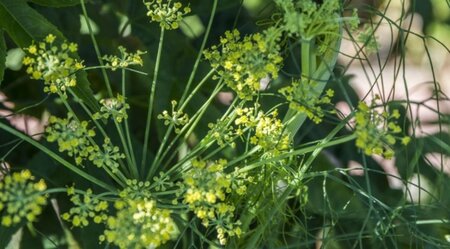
(72, 136)
(377, 132)
(206, 188)
(125, 60)
(55, 64)
(303, 97)
(269, 134)
(139, 224)
(243, 64)
(87, 207)
(21, 198)
(136, 190)
(177, 118)
(169, 14)
(115, 108)
(108, 158)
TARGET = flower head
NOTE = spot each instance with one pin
(244, 63)
(136, 190)
(305, 98)
(52, 63)
(206, 189)
(21, 198)
(72, 136)
(125, 60)
(115, 108)
(108, 157)
(139, 224)
(377, 132)
(169, 14)
(87, 207)
(177, 117)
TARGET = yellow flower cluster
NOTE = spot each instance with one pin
(225, 131)
(139, 224)
(207, 187)
(87, 207)
(377, 132)
(304, 97)
(270, 135)
(72, 136)
(266, 130)
(21, 198)
(169, 14)
(177, 118)
(125, 60)
(53, 63)
(243, 64)
(113, 107)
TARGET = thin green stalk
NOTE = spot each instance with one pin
(110, 67)
(161, 152)
(202, 110)
(197, 88)
(200, 53)
(151, 99)
(127, 128)
(299, 152)
(324, 141)
(132, 167)
(97, 50)
(56, 157)
(191, 125)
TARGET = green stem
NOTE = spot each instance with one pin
(200, 53)
(109, 67)
(191, 125)
(326, 141)
(311, 71)
(161, 152)
(298, 152)
(131, 167)
(97, 50)
(56, 157)
(127, 128)
(151, 99)
(197, 88)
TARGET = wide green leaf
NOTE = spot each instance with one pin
(25, 25)
(2, 56)
(56, 3)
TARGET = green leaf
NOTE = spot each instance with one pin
(56, 3)
(2, 56)
(25, 25)
(15, 240)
